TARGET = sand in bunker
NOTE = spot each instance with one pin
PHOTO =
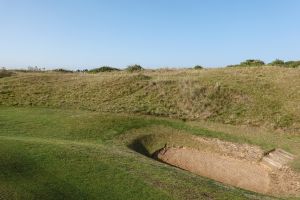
(240, 173)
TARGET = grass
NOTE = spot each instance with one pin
(71, 154)
(102, 69)
(51, 141)
(83, 136)
(50, 170)
(4, 73)
(264, 97)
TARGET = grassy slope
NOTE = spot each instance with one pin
(89, 155)
(254, 96)
(63, 154)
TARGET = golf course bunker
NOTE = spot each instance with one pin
(239, 165)
(239, 173)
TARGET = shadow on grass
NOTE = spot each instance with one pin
(138, 146)
(31, 180)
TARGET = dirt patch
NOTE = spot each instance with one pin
(243, 166)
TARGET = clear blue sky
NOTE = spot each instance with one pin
(154, 33)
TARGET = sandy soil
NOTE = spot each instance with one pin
(238, 165)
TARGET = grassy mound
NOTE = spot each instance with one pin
(103, 69)
(264, 97)
(85, 136)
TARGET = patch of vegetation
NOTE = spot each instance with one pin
(61, 70)
(141, 77)
(198, 67)
(253, 96)
(252, 62)
(82, 70)
(103, 69)
(292, 64)
(288, 64)
(134, 68)
(5, 73)
(249, 63)
(277, 62)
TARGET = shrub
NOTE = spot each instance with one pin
(61, 70)
(82, 70)
(103, 69)
(5, 73)
(198, 67)
(277, 62)
(252, 62)
(292, 64)
(134, 68)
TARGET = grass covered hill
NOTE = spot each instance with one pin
(255, 96)
(89, 136)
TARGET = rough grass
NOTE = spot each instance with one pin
(69, 154)
(5, 73)
(264, 97)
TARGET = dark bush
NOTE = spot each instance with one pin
(277, 62)
(82, 70)
(134, 68)
(249, 63)
(103, 69)
(252, 62)
(198, 67)
(5, 73)
(61, 70)
(292, 64)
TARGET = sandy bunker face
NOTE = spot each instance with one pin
(242, 166)
(236, 172)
